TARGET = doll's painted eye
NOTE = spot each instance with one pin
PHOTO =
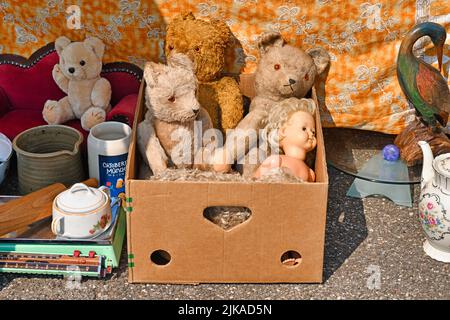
(82, 62)
(172, 99)
(277, 67)
(306, 77)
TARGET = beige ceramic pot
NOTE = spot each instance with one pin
(46, 155)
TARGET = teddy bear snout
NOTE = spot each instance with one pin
(71, 70)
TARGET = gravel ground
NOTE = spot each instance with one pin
(363, 237)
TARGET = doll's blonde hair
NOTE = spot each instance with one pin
(281, 113)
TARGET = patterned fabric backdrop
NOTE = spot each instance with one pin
(362, 36)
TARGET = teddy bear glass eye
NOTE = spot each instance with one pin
(277, 67)
(172, 99)
(170, 47)
(82, 62)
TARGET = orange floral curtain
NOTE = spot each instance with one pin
(362, 36)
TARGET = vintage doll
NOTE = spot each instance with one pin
(291, 130)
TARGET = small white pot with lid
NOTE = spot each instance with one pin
(81, 212)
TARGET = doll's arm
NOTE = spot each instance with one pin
(230, 102)
(274, 161)
(101, 93)
(60, 78)
(150, 147)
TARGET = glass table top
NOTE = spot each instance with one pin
(359, 153)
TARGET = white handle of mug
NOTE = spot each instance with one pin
(80, 186)
(54, 223)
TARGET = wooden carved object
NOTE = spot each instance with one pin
(427, 90)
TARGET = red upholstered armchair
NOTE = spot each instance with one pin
(26, 84)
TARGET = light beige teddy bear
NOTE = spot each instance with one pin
(78, 75)
(284, 71)
(166, 136)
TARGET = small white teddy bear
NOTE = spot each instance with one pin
(166, 138)
(78, 75)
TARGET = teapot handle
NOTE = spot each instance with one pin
(56, 226)
(80, 186)
(105, 190)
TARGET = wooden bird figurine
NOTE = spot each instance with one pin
(422, 84)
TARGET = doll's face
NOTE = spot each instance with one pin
(299, 131)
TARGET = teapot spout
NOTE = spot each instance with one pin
(427, 167)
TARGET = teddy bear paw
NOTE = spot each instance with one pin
(92, 117)
(221, 162)
(56, 69)
(50, 112)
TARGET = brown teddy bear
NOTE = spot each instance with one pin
(78, 75)
(283, 71)
(205, 44)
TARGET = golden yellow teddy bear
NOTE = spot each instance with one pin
(205, 44)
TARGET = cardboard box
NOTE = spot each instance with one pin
(167, 217)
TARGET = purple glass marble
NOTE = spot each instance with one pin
(391, 152)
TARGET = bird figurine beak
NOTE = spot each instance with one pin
(440, 53)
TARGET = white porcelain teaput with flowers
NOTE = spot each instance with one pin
(81, 212)
(434, 203)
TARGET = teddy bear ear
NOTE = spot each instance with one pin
(61, 43)
(151, 72)
(270, 39)
(96, 45)
(187, 15)
(179, 60)
(321, 58)
(223, 29)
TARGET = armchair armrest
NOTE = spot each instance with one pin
(124, 110)
(4, 102)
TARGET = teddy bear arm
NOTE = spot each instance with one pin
(205, 119)
(230, 102)
(203, 156)
(150, 147)
(237, 144)
(101, 93)
(251, 124)
(60, 79)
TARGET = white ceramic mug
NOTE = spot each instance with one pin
(108, 144)
(81, 212)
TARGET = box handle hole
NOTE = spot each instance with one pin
(227, 217)
(160, 257)
(291, 258)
